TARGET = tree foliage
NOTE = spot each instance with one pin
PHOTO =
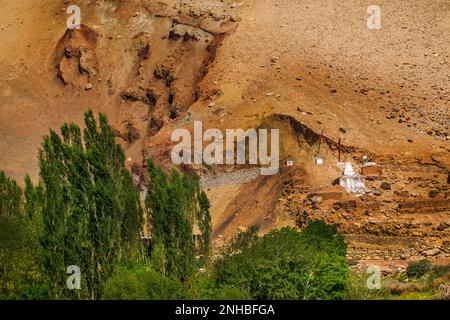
(34, 199)
(417, 269)
(21, 274)
(205, 288)
(140, 282)
(20, 268)
(175, 205)
(288, 264)
(10, 196)
(85, 211)
(91, 213)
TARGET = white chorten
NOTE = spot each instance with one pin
(348, 170)
(351, 181)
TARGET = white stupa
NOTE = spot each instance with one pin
(351, 181)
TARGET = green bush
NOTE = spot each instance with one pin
(20, 268)
(427, 295)
(228, 292)
(38, 292)
(417, 269)
(440, 270)
(289, 264)
(358, 289)
(143, 283)
(205, 289)
(10, 196)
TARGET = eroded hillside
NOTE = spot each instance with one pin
(300, 66)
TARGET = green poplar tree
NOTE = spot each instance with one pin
(175, 204)
(91, 210)
(204, 224)
(54, 212)
(10, 196)
(34, 197)
(20, 268)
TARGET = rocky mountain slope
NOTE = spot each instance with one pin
(303, 67)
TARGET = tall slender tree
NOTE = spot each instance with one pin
(91, 210)
(175, 205)
(54, 212)
(204, 224)
(20, 268)
(10, 196)
(33, 198)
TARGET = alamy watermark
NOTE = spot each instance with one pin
(74, 280)
(192, 151)
(374, 20)
(374, 279)
(74, 20)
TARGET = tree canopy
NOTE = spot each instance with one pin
(287, 264)
(91, 213)
(176, 204)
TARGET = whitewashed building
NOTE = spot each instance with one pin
(351, 181)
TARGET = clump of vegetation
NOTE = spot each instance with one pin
(417, 269)
(422, 281)
(393, 287)
(358, 289)
(442, 286)
(91, 215)
(414, 295)
(287, 264)
(10, 196)
(140, 282)
(21, 275)
(85, 211)
(176, 203)
(441, 270)
(205, 288)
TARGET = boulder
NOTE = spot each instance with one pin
(433, 193)
(385, 186)
(442, 226)
(316, 199)
(431, 252)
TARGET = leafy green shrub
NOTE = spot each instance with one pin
(19, 261)
(427, 295)
(142, 283)
(175, 205)
(38, 292)
(205, 288)
(358, 289)
(91, 213)
(10, 196)
(417, 269)
(440, 270)
(289, 264)
(228, 292)
(395, 287)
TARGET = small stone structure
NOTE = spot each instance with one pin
(351, 181)
(319, 160)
